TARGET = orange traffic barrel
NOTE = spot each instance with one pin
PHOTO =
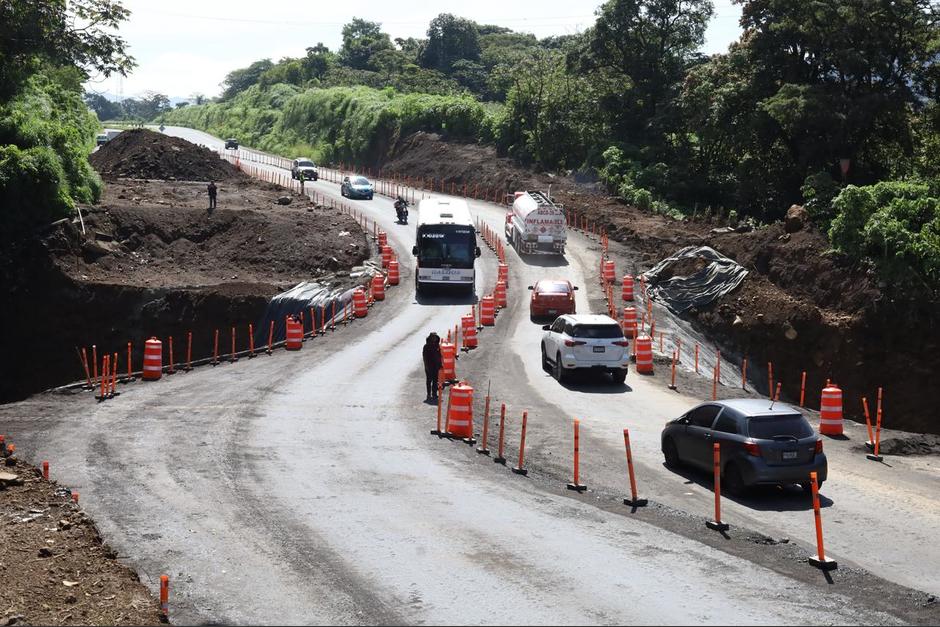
(386, 256)
(378, 287)
(153, 359)
(629, 322)
(627, 291)
(609, 272)
(460, 411)
(383, 239)
(644, 354)
(500, 294)
(830, 411)
(394, 272)
(503, 273)
(449, 361)
(295, 335)
(360, 306)
(468, 326)
(487, 311)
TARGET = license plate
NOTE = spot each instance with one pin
(789, 454)
(551, 311)
(444, 277)
(598, 349)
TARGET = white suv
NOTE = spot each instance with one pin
(586, 341)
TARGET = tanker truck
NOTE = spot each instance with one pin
(535, 224)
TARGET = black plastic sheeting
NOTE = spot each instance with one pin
(302, 298)
(680, 293)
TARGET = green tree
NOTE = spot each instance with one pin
(103, 108)
(243, 78)
(450, 39)
(361, 40)
(318, 61)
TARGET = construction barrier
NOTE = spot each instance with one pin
(487, 311)
(153, 359)
(383, 239)
(378, 287)
(386, 256)
(500, 294)
(295, 335)
(644, 355)
(468, 325)
(502, 273)
(448, 360)
(629, 323)
(360, 306)
(394, 272)
(460, 411)
(830, 411)
(626, 292)
(609, 272)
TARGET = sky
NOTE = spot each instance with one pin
(188, 46)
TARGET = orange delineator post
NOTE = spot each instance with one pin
(770, 379)
(777, 393)
(130, 375)
(499, 459)
(575, 485)
(672, 386)
(715, 384)
(520, 469)
(215, 349)
(875, 455)
(744, 373)
(170, 369)
(189, 350)
(233, 357)
(164, 594)
(871, 436)
(803, 390)
(94, 364)
(45, 471)
(251, 341)
(716, 524)
(104, 368)
(85, 365)
(633, 501)
(482, 450)
(819, 560)
(696, 358)
(114, 367)
(271, 338)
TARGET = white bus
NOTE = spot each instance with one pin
(446, 244)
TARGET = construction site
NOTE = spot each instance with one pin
(219, 415)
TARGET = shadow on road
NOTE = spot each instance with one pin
(592, 383)
(545, 261)
(443, 296)
(789, 498)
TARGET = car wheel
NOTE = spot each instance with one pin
(560, 373)
(671, 454)
(733, 482)
(545, 365)
(618, 377)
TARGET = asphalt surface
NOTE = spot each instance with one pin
(304, 487)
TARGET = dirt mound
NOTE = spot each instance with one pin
(56, 570)
(144, 154)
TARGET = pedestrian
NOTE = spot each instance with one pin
(212, 189)
(432, 365)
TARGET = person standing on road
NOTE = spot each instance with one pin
(432, 365)
(213, 190)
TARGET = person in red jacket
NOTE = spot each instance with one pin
(432, 365)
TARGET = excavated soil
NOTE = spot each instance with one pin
(801, 306)
(56, 569)
(144, 154)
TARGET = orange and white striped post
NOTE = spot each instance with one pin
(675, 356)
(215, 349)
(270, 338)
(871, 437)
(874, 456)
(130, 373)
(803, 390)
(482, 450)
(520, 469)
(744, 373)
(499, 459)
(633, 501)
(233, 357)
(696, 358)
(576, 484)
(88, 384)
(716, 524)
(251, 341)
(165, 595)
(45, 471)
(171, 367)
(819, 560)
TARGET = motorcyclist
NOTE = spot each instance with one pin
(401, 209)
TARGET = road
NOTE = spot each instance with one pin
(304, 487)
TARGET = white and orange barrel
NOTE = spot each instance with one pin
(383, 239)
(502, 273)
(644, 354)
(295, 335)
(830, 411)
(499, 294)
(629, 322)
(386, 256)
(360, 305)
(487, 311)
(610, 273)
(394, 272)
(468, 326)
(378, 287)
(627, 288)
(460, 411)
(153, 359)
(449, 361)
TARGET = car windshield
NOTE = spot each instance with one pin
(359, 180)
(305, 164)
(787, 425)
(597, 331)
(446, 244)
(553, 288)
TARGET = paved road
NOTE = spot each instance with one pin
(303, 487)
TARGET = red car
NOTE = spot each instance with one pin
(551, 299)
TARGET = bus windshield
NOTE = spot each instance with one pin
(446, 245)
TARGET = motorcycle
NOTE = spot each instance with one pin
(401, 209)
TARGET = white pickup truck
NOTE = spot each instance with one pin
(535, 224)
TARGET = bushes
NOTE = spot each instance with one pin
(46, 134)
(894, 225)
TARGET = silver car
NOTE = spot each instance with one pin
(761, 443)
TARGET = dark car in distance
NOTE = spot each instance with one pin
(231, 144)
(762, 443)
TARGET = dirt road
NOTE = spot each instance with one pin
(304, 487)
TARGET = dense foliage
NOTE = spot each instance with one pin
(813, 97)
(47, 50)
